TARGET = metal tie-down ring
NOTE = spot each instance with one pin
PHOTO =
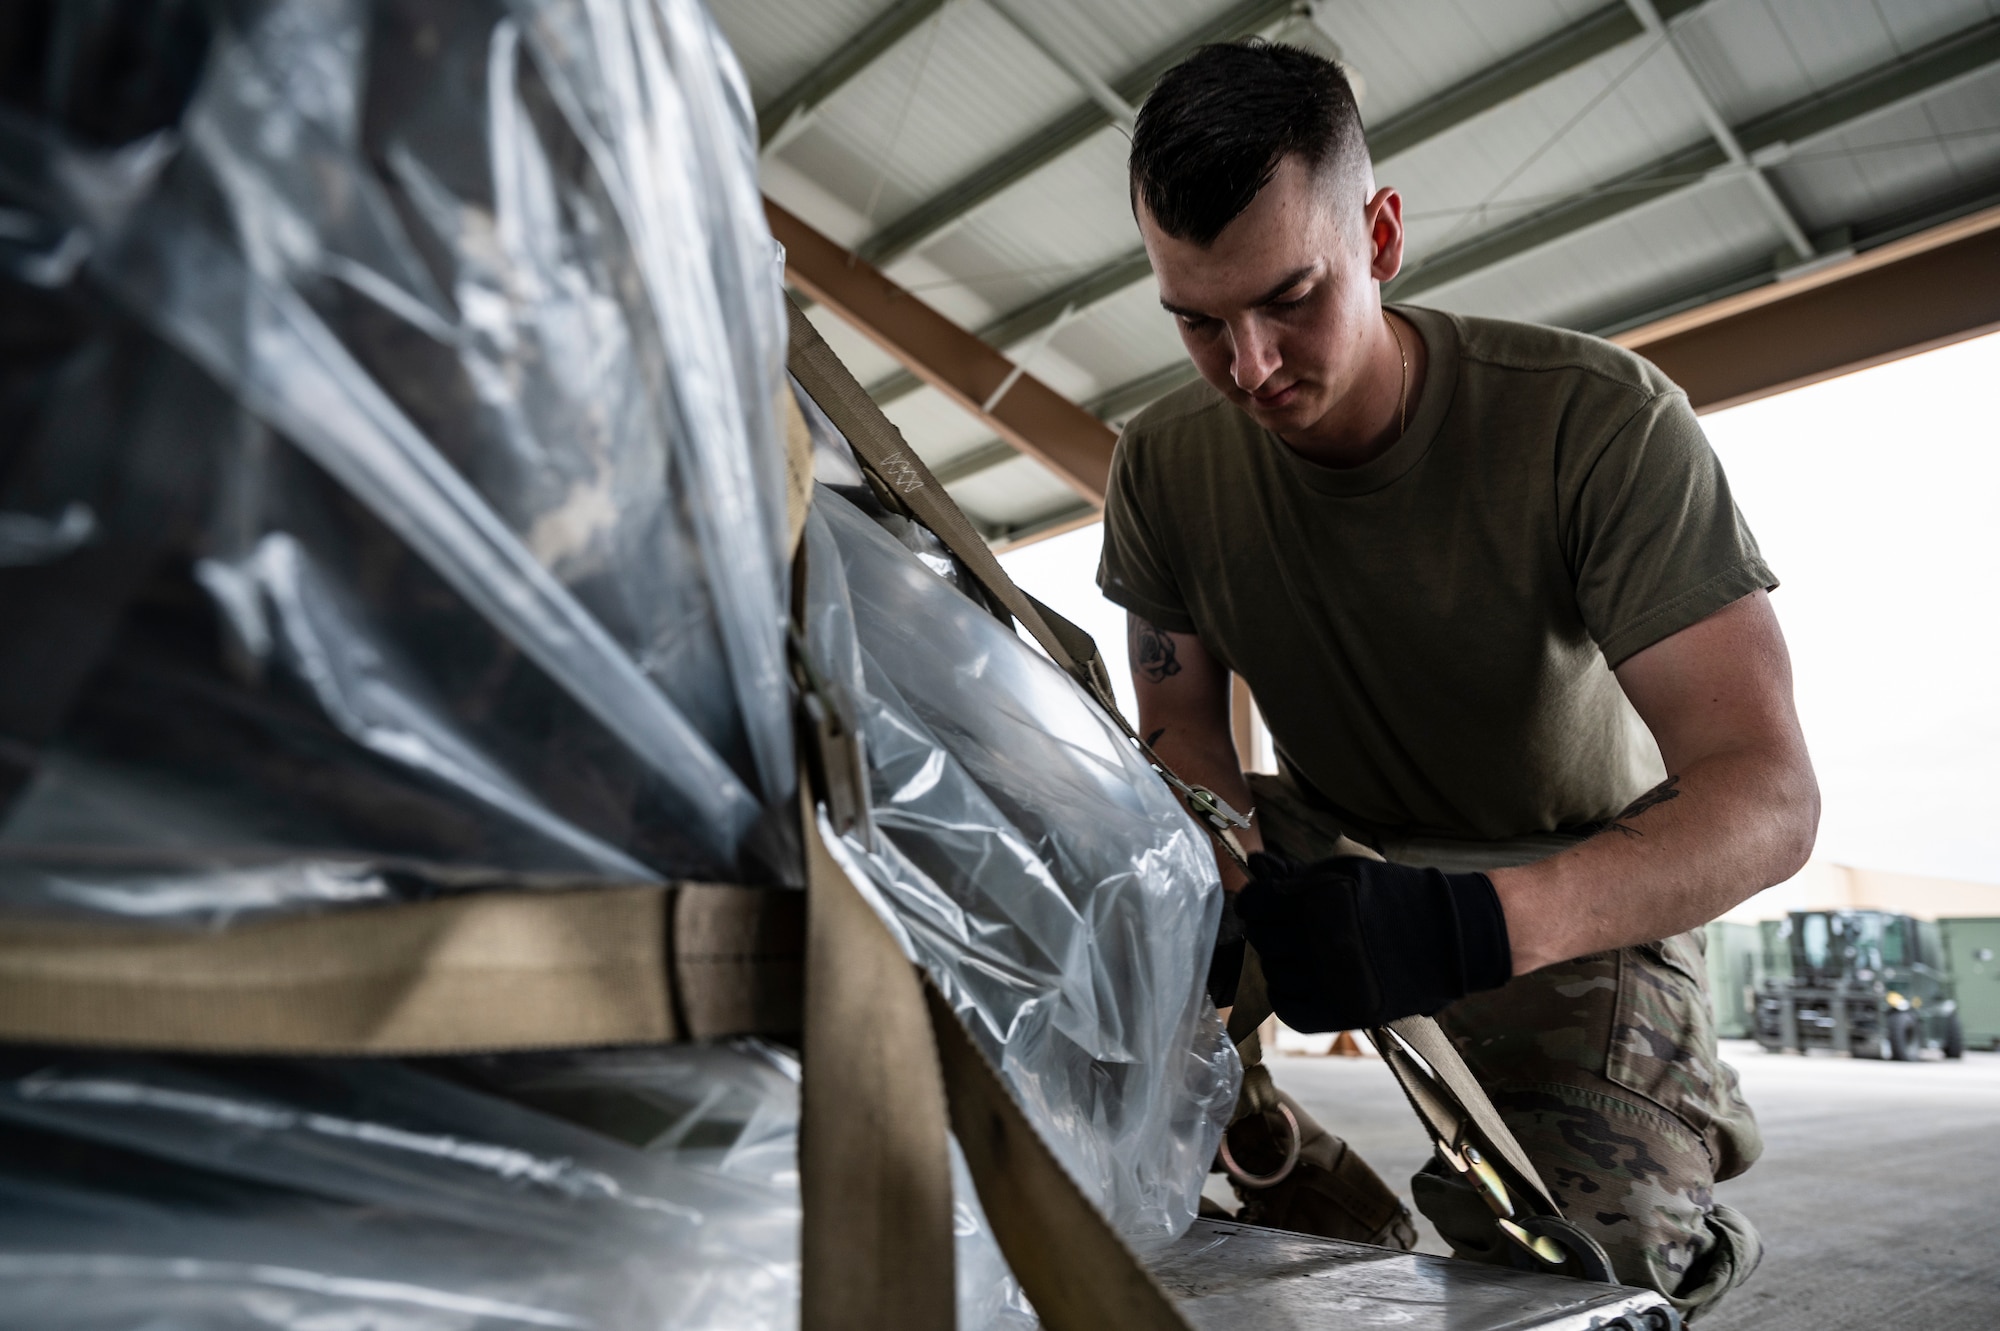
(1246, 1179)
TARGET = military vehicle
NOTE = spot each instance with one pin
(1970, 945)
(1735, 973)
(1864, 982)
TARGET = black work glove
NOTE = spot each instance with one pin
(1349, 943)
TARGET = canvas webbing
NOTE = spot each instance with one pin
(1451, 1099)
(489, 971)
(874, 1164)
(1450, 1095)
(880, 446)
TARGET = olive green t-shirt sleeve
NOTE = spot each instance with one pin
(1134, 571)
(1653, 537)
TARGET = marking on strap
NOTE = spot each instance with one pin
(900, 472)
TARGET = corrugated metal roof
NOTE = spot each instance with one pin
(1405, 50)
(1900, 158)
(1602, 123)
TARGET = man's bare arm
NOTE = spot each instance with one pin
(1184, 714)
(1737, 814)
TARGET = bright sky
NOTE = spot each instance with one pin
(1876, 498)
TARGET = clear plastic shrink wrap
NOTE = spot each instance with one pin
(617, 1191)
(423, 357)
(445, 342)
(1034, 864)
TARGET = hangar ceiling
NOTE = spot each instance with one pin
(1596, 165)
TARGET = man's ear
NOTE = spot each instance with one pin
(1384, 214)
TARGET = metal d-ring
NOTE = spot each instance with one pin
(1245, 1179)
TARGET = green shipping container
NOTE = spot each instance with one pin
(1973, 947)
(1735, 968)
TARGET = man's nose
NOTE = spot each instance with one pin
(1253, 357)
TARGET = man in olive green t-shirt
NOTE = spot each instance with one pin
(1507, 628)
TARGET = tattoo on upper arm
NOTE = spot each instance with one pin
(1153, 651)
(1667, 790)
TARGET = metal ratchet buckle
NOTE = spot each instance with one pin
(1212, 809)
(1244, 1177)
(1478, 1171)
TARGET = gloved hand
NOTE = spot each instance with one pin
(1348, 943)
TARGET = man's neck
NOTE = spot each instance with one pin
(1371, 417)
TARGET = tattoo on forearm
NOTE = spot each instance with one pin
(1669, 789)
(1153, 651)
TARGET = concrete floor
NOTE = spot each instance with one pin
(1878, 1194)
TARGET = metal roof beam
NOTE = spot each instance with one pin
(856, 54)
(1561, 51)
(1018, 407)
(1557, 54)
(1056, 138)
(1766, 138)
(1964, 54)
(1721, 131)
(1926, 290)
(1065, 519)
(1121, 111)
(1020, 324)
(1127, 397)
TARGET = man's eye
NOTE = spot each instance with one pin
(1291, 304)
(1195, 323)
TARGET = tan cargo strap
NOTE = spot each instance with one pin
(1467, 1131)
(906, 481)
(1447, 1098)
(874, 1162)
(486, 971)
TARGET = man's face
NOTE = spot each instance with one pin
(1277, 312)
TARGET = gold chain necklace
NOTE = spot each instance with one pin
(1402, 392)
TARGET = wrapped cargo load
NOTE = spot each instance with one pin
(400, 510)
(432, 355)
(1035, 866)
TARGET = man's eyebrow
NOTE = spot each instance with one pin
(1291, 280)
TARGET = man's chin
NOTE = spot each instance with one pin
(1293, 414)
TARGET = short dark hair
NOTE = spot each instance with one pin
(1217, 126)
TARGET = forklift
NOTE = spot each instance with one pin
(1867, 983)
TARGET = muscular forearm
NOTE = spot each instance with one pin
(1728, 826)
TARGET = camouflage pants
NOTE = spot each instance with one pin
(1606, 1070)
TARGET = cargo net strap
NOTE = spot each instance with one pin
(481, 972)
(1447, 1098)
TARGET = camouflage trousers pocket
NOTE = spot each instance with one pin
(1633, 1177)
(1662, 1048)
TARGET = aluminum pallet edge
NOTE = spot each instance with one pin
(1231, 1277)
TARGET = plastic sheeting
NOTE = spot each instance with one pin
(433, 354)
(423, 358)
(621, 1191)
(1036, 867)
(1017, 845)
